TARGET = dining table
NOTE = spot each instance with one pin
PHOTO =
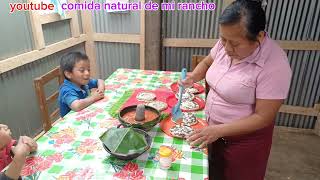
(71, 149)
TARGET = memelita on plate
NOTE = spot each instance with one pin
(159, 105)
(146, 96)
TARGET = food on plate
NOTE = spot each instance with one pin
(186, 96)
(146, 96)
(181, 130)
(159, 105)
(189, 105)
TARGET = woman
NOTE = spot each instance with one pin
(249, 77)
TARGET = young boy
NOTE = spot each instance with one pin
(20, 151)
(75, 89)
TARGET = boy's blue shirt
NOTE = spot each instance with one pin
(70, 92)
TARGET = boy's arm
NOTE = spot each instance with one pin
(101, 85)
(80, 104)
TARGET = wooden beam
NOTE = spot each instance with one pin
(208, 43)
(142, 37)
(119, 38)
(87, 25)
(298, 110)
(50, 18)
(22, 59)
(300, 45)
(182, 42)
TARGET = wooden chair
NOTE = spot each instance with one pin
(195, 60)
(44, 101)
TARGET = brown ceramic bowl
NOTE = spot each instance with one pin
(140, 125)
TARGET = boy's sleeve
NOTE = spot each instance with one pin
(4, 177)
(93, 83)
(69, 97)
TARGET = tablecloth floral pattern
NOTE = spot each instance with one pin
(72, 149)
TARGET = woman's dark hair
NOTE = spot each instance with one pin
(249, 12)
(68, 61)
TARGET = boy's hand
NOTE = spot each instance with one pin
(22, 149)
(97, 95)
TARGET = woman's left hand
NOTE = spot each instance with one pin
(203, 137)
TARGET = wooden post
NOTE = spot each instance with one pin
(153, 39)
(89, 44)
(36, 26)
(317, 125)
(226, 3)
(74, 22)
(142, 37)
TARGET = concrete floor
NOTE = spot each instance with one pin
(295, 155)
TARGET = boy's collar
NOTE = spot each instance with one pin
(73, 85)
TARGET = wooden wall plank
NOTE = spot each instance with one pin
(22, 59)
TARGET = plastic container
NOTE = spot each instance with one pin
(165, 157)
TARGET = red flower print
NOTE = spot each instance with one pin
(148, 72)
(130, 171)
(44, 165)
(120, 175)
(56, 157)
(27, 171)
(137, 175)
(131, 167)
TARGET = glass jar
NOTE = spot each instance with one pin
(165, 157)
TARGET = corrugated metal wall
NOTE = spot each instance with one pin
(188, 24)
(116, 22)
(111, 56)
(287, 20)
(18, 104)
(16, 36)
(56, 31)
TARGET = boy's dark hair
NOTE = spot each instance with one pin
(248, 11)
(68, 61)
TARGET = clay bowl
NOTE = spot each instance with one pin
(145, 124)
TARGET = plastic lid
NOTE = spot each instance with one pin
(165, 151)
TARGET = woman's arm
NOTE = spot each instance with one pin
(265, 112)
(199, 72)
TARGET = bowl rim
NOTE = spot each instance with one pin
(124, 110)
(133, 155)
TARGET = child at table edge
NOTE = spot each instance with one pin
(75, 90)
(13, 153)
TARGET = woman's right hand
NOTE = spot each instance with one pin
(188, 82)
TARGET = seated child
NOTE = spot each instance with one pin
(20, 151)
(75, 89)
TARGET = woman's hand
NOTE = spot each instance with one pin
(203, 137)
(188, 82)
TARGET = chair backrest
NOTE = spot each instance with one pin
(44, 101)
(195, 60)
